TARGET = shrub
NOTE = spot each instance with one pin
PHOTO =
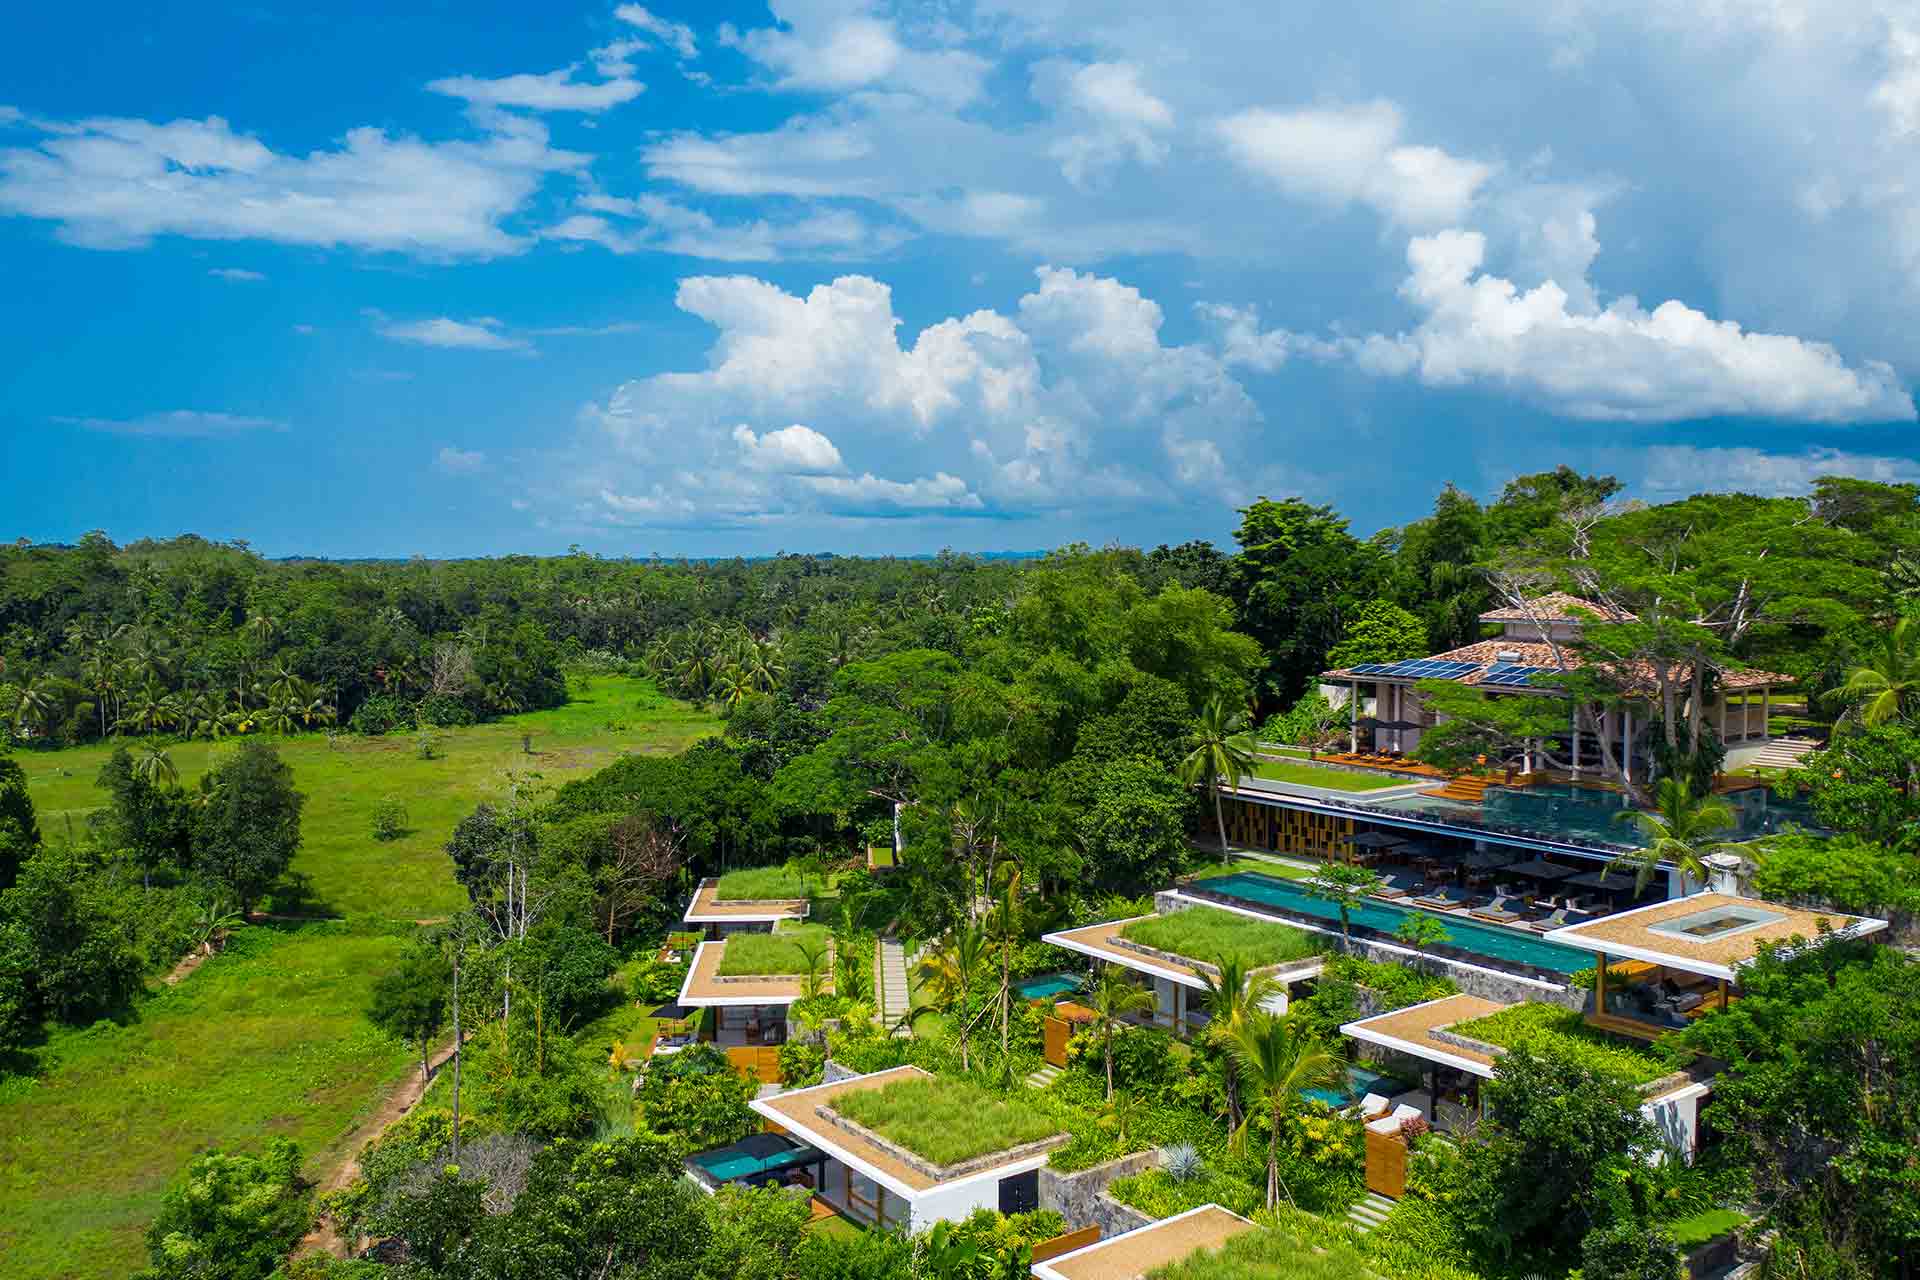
(1629, 1251)
(231, 1217)
(1396, 985)
(656, 980)
(801, 1064)
(380, 714)
(390, 819)
(1845, 872)
(695, 1097)
(1182, 1162)
(449, 713)
(426, 744)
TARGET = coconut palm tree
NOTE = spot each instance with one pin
(813, 971)
(1277, 1062)
(35, 705)
(1114, 996)
(1683, 829)
(147, 708)
(1887, 685)
(952, 970)
(1231, 994)
(156, 766)
(1221, 754)
(734, 687)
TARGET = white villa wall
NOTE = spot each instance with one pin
(1677, 1116)
(954, 1202)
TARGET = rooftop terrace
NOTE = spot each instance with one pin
(1133, 1254)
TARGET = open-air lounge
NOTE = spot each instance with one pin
(1660, 966)
(751, 1003)
(1456, 1040)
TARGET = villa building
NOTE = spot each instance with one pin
(718, 916)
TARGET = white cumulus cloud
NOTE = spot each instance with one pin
(481, 334)
(460, 462)
(677, 36)
(1677, 471)
(1339, 155)
(549, 91)
(237, 275)
(115, 183)
(794, 450)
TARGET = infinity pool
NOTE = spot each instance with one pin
(1487, 941)
(1048, 986)
(1590, 815)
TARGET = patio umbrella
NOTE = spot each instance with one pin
(673, 1011)
(1541, 869)
(1488, 860)
(1378, 840)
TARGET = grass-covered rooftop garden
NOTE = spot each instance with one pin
(1314, 775)
(1547, 1028)
(781, 952)
(760, 884)
(1208, 933)
(946, 1119)
(1266, 1255)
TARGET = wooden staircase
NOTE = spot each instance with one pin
(1465, 789)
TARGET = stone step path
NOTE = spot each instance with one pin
(1370, 1212)
(1783, 753)
(1043, 1077)
(890, 968)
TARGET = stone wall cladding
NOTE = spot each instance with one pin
(940, 1172)
(835, 1073)
(1081, 1196)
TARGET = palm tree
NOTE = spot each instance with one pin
(813, 972)
(1113, 997)
(147, 708)
(1278, 1062)
(1221, 755)
(156, 766)
(734, 686)
(952, 971)
(213, 924)
(1231, 994)
(35, 705)
(1886, 686)
(763, 664)
(1682, 829)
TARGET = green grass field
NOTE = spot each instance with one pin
(1317, 776)
(350, 872)
(266, 1039)
(270, 1037)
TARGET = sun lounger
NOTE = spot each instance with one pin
(1438, 901)
(1373, 1105)
(1496, 911)
(1555, 921)
(1389, 890)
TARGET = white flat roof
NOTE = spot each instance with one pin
(1730, 927)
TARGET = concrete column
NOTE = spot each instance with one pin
(1353, 717)
(1576, 741)
(1626, 744)
(1766, 711)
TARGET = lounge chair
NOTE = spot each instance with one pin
(1497, 911)
(1438, 901)
(1389, 888)
(1373, 1105)
(1557, 920)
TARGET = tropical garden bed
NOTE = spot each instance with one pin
(1546, 1028)
(946, 1120)
(760, 884)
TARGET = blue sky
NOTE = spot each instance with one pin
(865, 277)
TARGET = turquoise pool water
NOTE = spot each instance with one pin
(1589, 815)
(1488, 941)
(1048, 986)
(1360, 1083)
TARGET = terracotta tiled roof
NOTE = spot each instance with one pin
(1555, 606)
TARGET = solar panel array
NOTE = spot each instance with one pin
(1510, 675)
(1417, 669)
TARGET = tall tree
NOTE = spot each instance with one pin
(19, 828)
(1115, 995)
(1683, 830)
(1221, 754)
(1304, 575)
(1277, 1061)
(410, 1003)
(249, 825)
(1231, 994)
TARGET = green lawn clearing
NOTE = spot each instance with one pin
(1208, 933)
(348, 871)
(1709, 1224)
(946, 1119)
(774, 953)
(1550, 1028)
(267, 1039)
(1310, 775)
(761, 884)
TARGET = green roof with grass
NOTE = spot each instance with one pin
(1549, 1030)
(1208, 933)
(946, 1119)
(1313, 775)
(1267, 1255)
(779, 953)
(760, 884)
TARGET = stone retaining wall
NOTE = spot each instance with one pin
(1081, 1196)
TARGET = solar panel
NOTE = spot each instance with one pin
(1371, 668)
(1511, 675)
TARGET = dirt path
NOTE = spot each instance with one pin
(325, 1237)
(188, 963)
